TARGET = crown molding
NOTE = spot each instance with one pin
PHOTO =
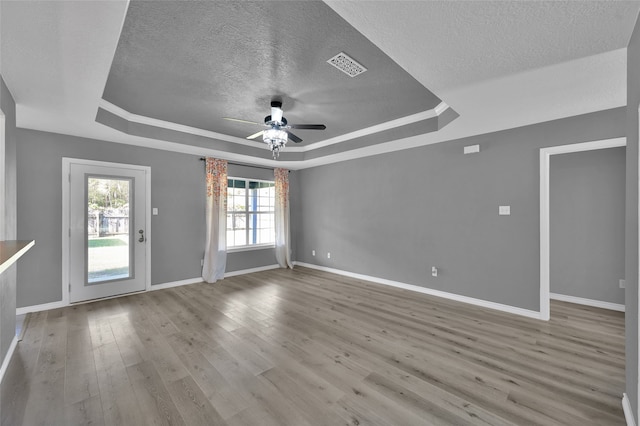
(399, 122)
(169, 125)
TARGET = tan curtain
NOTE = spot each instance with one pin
(215, 251)
(283, 240)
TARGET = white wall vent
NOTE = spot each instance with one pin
(346, 64)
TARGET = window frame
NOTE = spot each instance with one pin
(247, 213)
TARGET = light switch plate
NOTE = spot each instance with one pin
(504, 210)
(471, 149)
(155, 211)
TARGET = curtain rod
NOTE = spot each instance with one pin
(245, 165)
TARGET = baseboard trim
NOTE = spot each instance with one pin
(465, 299)
(61, 304)
(250, 270)
(7, 357)
(175, 284)
(587, 302)
(42, 307)
(628, 412)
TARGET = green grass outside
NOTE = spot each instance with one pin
(106, 242)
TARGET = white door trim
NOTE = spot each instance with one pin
(66, 171)
(3, 169)
(545, 155)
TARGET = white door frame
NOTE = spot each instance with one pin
(66, 173)
(545, 155)
(3, 169)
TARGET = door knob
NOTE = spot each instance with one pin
(141, 239)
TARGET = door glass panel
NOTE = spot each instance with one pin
(108, 232)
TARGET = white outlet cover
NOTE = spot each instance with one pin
(155, 211)
(328, 255)
(504, 210)
(471, 149)
(313, 252)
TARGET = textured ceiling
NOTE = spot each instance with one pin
(480, 40)
(498, 64)
(193, 63)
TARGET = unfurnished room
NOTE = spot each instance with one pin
(310, 212)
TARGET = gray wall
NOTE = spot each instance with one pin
(8, 278)
(177, 190)
(631, 219)
(394, 216)
(587, 191)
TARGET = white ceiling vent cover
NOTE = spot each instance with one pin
(346, 64)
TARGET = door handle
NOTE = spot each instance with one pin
(141, 239)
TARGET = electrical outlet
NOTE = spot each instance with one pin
(313, 252)
(328, 255)
(434, 271)
(622, 283)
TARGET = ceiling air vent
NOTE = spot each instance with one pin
(346, 64)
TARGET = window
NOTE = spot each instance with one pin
(250, 213)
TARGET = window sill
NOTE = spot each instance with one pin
(251, 248)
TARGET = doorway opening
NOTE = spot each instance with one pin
(545, 231)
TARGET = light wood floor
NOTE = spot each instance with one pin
(305, 347)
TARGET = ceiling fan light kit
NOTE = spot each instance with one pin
(276, 139)
(277, 133)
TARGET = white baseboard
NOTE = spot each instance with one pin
(7, 357)
(175, 283)
(628, 412)
(61, 304)
(478, 302)
(588, 302)
(250, 271)
(43, 307)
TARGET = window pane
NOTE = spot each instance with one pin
(240, 237)
(253, 200)
(236, 203)
(244, 227)
(265, 204)
(266, 236)
(253, 232)
(264, 192)
(261, 230)
(108, 235)
(265, 221)
(239, 221)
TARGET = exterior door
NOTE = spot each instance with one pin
(107, 230)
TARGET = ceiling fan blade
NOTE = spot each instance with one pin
(308, 126)
(255, 135)
(294, 138)
(241, 121)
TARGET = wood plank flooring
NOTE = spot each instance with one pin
(305, 347)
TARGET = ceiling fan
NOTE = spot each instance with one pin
(277, 131)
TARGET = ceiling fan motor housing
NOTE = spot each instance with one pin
(272, 122)
(276, 114)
